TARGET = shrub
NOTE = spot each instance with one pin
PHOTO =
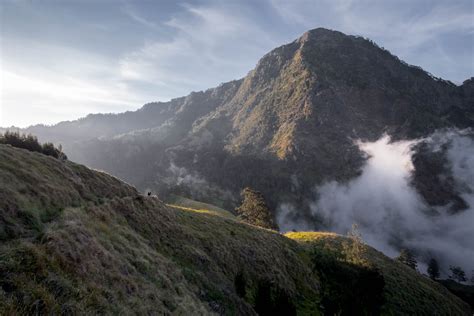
(31, 143)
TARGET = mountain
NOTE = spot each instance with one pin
(78, 241)
(284, 129)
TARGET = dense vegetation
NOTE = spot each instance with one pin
(30, 142)
(286, 127)
(77, 241)
(341, 279)
(254, 210)
(406, 292)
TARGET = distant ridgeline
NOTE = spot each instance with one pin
(30, 142)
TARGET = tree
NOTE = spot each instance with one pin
(50, 150)
(433, 269)
(254, 209)
(354, 248)
(406, 257)
(457, 274)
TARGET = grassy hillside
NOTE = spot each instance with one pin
(77, 241)
(196, 206)
(466, 292)
(406, 292)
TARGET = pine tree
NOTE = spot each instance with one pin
(354, 248)
(254, 209)
(406, 257)
(433, 269)
(457, 274)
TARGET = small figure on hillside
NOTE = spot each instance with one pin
(149, 193)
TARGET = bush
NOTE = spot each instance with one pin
(457, 274)
(30, 142)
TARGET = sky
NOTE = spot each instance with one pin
(63, 59)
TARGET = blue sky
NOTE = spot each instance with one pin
(61, 60)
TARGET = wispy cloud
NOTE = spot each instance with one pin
(408, 29)
(210, 45)
(132, 13)
(59, 82)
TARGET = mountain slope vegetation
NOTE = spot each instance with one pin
(75, 240)
(286, 127)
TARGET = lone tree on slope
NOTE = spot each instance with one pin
(457, 274)
(406, 257)
(433, 269)
(353, 248)
(254, 209)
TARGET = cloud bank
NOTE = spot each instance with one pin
(391, 214)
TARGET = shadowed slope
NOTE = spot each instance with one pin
(406, 291)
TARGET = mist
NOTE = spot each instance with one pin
(391, 214)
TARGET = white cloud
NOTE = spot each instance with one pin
(390, 212)
(210, 45)
(408, 29)
(56, 83)
(130, 11)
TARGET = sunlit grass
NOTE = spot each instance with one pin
(204, 211)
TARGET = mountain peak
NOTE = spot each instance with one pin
(320, 33)
(295, 116)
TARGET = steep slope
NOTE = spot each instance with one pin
(80, 241)
(286, 127)
(403, 285)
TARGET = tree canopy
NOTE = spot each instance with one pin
(406, 257)
(254, 209)
(31, 143)
(457, 274)
(433, 269)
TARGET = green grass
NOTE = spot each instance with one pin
(109, 250)
(196, 206)
(77, 241)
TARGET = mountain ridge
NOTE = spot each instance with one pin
(286, 127)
